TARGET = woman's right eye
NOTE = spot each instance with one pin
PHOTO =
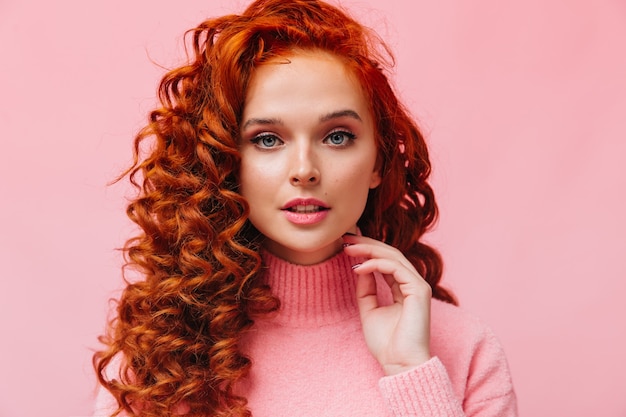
(266, 141)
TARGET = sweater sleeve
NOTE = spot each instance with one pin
(489, 388)
(468, 376)
(422, 391)
(426, 391)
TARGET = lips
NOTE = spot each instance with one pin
(308, 208)
(308, 205)
(305, 212)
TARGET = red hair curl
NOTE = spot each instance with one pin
(178, 328)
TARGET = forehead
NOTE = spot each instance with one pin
(309, 79)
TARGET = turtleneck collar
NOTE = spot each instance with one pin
(313, 295)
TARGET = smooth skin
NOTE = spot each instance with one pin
(307, 132)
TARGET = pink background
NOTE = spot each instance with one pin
(524, 104)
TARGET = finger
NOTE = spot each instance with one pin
(391, 282)
(360, 246)
(366, 294)
(406, 282)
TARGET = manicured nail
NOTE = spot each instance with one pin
(355, 266)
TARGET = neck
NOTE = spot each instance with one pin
(313, 295)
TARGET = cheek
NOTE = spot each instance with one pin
(249, 174)
(356, 180)
(258, 178)
(364, 168)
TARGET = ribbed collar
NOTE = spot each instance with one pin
(313, 295)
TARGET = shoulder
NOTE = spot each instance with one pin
(453, 323)
(458, 333)
(471, 353)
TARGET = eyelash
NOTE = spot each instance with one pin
(257, 140)
(350, 137)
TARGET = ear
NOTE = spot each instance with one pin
(375, 180)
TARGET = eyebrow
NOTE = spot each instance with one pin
(325, 118)
(272, 121)
(340, 114)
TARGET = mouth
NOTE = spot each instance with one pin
(305, 206)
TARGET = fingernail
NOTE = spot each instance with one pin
(355, 266)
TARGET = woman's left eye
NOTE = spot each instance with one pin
(340, 138)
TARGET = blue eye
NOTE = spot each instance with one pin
(340, 138)
(266, 141)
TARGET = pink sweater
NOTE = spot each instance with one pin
(310, 359)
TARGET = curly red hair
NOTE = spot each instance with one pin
(178, 328)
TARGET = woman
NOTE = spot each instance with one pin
(281, 207)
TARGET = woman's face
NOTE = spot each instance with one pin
(308, 155)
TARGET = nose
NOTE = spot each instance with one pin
(305, 168)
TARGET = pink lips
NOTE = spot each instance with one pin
(305, 211)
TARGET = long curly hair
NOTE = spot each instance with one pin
(178, 327)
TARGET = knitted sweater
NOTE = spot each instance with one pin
(310, 358)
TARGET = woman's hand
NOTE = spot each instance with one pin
(397, 335)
